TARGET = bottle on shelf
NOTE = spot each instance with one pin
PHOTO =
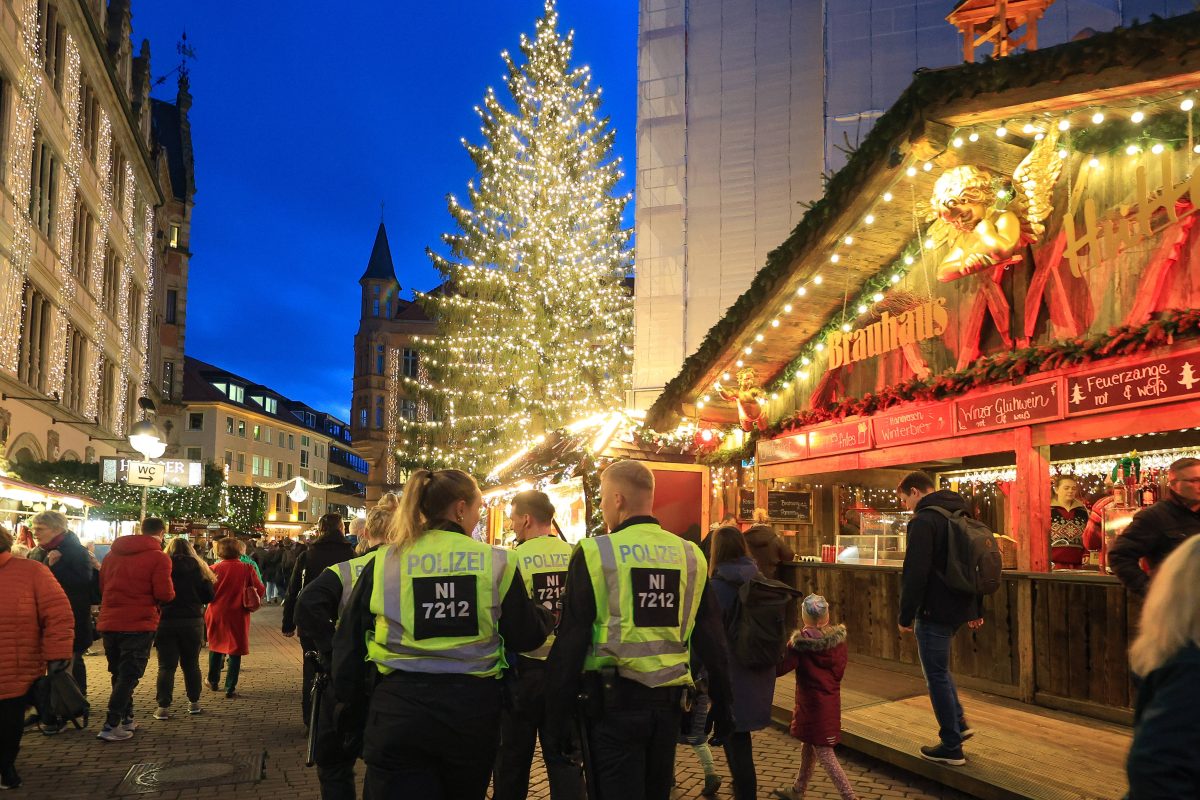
(1152, 490)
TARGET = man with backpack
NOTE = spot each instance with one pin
(934, 603)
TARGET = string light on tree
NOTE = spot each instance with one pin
(537, 325)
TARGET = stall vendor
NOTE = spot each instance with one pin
(1068, 519)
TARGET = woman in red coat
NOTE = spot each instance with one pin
(818, 655)
(37, 631)
(227, 621)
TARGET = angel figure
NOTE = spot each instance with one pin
(748, 395)
(987, 219)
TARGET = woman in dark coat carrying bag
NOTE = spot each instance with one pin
(731, 566)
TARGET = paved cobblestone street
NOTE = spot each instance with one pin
(267, 718)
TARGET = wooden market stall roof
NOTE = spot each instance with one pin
(1159, 58)
(13, 489)
(610, 435)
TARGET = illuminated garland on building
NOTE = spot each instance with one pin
(125, 320)
(393, 415)
(148, 301)
(104, 165)
(536, 325)
(19, 181)
(67, 196)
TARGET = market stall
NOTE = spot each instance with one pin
(20, 500)
(1001, 288)
(566, 465)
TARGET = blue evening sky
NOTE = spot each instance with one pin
(306, 116)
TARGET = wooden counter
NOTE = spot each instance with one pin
(1056, 639)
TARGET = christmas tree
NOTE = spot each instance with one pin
(534, 316)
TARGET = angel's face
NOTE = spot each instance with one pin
(962, 214)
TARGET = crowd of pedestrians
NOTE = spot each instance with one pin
(440, 660)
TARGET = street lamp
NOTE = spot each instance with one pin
(148, 439)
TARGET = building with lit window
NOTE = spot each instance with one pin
(262, 438)
(387, 363)
(85, 166)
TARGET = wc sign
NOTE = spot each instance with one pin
(163, 472)
(146, 473)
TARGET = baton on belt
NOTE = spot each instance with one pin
(585, 749)
(314, 714)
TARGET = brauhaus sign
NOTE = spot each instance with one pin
(891, 332)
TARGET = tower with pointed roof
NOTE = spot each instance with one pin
(387, 360)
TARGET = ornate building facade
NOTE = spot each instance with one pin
(387, 360)
(86, 168)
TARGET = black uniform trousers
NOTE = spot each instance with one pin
(633, 744)
(310, 674)
(335, 769)
(431, 736)
(519, 727)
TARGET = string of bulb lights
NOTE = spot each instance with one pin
(922, 248)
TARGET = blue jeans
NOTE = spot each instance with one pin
(933, 646)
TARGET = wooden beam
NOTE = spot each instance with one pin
(1026, 664)
(1032, 507)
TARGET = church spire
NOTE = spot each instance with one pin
(380, 267)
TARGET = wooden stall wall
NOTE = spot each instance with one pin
(1082, 632)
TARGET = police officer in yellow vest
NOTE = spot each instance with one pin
(635, 600)
(424, 624)
(318, 608)
(542, 557)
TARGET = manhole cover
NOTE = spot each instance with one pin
(181, 773)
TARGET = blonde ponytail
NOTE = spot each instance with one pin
(427, 497)
(408, 522)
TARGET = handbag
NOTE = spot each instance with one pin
(56, 696)
(251, 599)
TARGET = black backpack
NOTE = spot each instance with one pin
(756, 622)
(973, 562)
(57, 697)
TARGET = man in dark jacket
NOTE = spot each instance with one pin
(1156, 531)
(71, 564)
(330, 548)
(932, 609)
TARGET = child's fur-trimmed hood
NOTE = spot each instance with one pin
(831, 637)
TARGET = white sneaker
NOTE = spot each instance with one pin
(117, 734)
(129, 724)
(162, 713)
(194, 708)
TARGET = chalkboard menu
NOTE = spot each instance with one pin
(789, 506)
(745, 504)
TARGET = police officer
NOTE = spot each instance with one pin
(318, 609)
(424, 623)
(635, 599)
(542, 557)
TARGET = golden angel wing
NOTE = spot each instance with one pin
(1035, 177)
(940, 233)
